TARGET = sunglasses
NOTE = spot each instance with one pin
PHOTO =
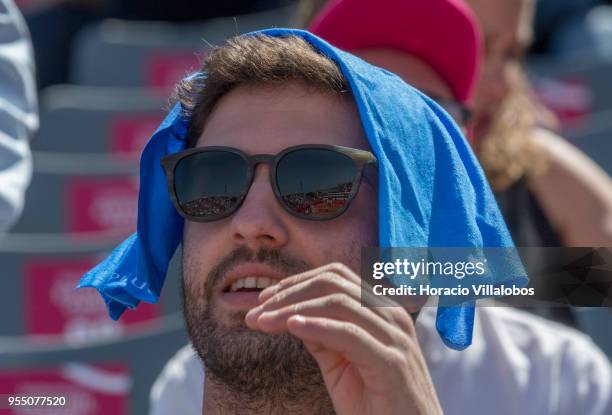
(459, 112)
(311, 181)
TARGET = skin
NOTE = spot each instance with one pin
(369, 358)
(507, 31)
(571, 177)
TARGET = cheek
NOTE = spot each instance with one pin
(366, 213)
(513, 72)
(339, 242)
(341, 239)
(200, 248)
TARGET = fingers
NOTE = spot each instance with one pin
(324, 281)
(338, 306)
(336, 268)
(347, 339)
(317, 285)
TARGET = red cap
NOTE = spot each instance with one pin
(443, 33)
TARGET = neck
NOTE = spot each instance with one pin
(220, 399)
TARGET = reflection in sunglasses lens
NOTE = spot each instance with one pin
(315, 183)
(211, 183)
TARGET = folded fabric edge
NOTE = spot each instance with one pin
(455, 325)
(115, 304)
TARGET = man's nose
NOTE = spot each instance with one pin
(260, 221)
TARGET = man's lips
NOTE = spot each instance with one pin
(238, 300)
(241, 286)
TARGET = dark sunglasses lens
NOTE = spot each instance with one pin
(211, 183)
(315, 183)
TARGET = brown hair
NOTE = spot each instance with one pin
(509, 152)
(254, 60)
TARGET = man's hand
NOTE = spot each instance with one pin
(369, 357)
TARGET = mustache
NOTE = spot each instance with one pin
(281, 262)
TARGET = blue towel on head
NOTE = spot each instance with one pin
(432, 191)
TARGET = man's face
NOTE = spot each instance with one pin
(261, 239)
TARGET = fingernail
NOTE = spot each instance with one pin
(267, 316)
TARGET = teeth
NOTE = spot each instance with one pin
(263, 282)
(237, 285)
(251, 282)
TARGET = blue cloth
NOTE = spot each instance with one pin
(432, 191)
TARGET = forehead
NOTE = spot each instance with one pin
(268, 119)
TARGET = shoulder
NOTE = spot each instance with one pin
(179, 387)
(517, 363)
(561, 361)
(527, 330)
(538, 336)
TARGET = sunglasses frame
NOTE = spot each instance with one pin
(360, 158)
(464, 112)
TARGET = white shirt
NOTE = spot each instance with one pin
(518, 364)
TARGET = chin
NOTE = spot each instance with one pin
(228, 318)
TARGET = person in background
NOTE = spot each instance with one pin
(18, 112)
(505, 336)
(533, 172)
(551, 193)
(445, 73)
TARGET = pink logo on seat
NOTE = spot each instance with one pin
(130, 134)
(54, 307)
(165, 69)
(102, 205)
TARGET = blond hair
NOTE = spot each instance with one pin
(509, 152)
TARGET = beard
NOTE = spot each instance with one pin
(258, 372)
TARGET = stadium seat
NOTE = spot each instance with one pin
(80, 193)
(575, 89)
(595, 138)
(78, 119)
(60, 340)
(40, 273)
(105, 377)
(156, 54)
